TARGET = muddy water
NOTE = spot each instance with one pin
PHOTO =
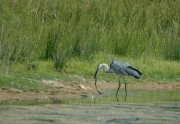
(141, 107)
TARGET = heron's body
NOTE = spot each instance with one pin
(124, 68)
(119, 67)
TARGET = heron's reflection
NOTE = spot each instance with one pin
(124, 98)
(98, 95)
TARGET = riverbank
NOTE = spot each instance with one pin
(67, 90)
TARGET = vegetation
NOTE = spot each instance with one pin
(72, 34)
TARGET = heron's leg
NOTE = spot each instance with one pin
(125, 87)
(117, 98)
(119, 85)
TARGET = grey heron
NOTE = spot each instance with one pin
(120, 68)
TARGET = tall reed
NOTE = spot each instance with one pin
(60, 30)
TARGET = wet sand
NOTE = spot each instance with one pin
(67, 90)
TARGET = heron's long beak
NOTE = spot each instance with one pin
(96, 73)
(96, 80)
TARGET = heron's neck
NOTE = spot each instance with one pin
(104, 66)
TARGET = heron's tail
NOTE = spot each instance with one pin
(133, 72)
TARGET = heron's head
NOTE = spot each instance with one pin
(102, 65)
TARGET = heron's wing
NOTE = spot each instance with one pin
(124, 68)
(119, 67)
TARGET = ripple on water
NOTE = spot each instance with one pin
(140, 108)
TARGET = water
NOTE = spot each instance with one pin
(141, 107)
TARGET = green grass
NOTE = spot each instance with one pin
(73, 36)
(33, 30)
(20, 82)
(152, 69)
(22, 78)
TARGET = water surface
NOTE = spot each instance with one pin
(141, 107)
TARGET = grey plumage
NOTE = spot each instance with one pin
(124, 68)
(119, 67)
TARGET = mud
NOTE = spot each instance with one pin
(67, 90)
